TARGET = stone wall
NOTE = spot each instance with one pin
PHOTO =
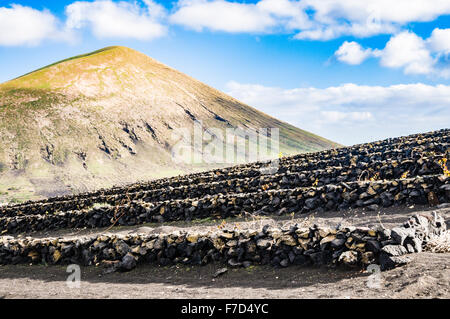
(401, 149)
(375, 169)
(373, 195)
(350, 246)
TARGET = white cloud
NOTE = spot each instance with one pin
(406, 51)
(155, 10)
(337, 116)
(334, 18)
(336, 29)
(22, 25)
(289, 14)
(353, 53)
(375, 112)
(108, 19)
(148, 19)
(311, 19)
(222, 15)
(439, 41)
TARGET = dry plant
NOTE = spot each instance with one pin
(367, 177)
(117, 217)
(443, 163)
(379, 220)
(362, 174)
(439, 244)
(375, 177)
(222, 225)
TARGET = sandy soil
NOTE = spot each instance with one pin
(427, 276)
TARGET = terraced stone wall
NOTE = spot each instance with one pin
(359, 157)
(379, 170)
(356, 247)
(373, 195)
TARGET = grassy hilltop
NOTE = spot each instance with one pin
(107, 118)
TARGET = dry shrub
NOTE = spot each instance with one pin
(439, 244)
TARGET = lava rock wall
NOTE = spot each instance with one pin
(371, 195)
(414, 155)
(350, 246)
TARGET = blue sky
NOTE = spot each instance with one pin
(331, 67)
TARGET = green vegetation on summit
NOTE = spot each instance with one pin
(107, 118)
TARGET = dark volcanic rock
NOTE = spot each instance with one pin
(337, 243)
(373, 246)
(389, 262)
(128, 263)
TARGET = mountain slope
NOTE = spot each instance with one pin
(109, 117)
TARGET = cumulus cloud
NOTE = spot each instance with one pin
(334, 18)
(353, 53)
(309, 19)
(375, 112)
(406, 51)
(108, 19)
(148, 19)
(221, 15)
(22, 25)
(439, 41)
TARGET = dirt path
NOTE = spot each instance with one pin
(428, 276)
